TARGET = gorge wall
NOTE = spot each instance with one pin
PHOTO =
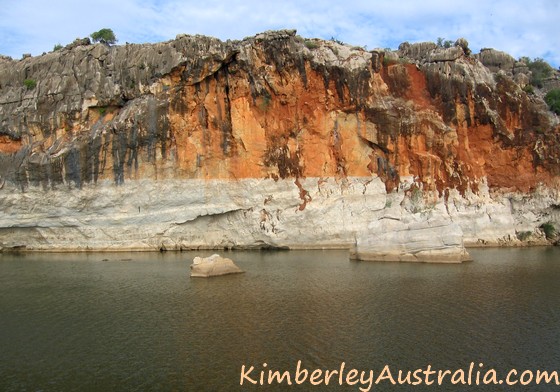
(274, 141)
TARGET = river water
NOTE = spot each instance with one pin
(137, 322)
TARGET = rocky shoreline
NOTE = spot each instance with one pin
(355, 213)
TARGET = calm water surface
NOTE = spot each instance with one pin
(137, 322)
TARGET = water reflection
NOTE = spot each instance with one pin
(138, 322)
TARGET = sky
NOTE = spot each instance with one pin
(518, 27)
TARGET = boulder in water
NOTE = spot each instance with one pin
(215, 265)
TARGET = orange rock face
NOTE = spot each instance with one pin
(8, 146)
(279, 107)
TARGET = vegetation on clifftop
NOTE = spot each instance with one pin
(105, 36)
(552, 98)
(540, 70)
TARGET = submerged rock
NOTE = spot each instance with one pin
(215, 265)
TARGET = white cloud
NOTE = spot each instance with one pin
(518, 27)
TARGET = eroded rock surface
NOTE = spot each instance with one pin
(272, 141)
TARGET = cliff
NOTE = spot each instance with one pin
(274, 141)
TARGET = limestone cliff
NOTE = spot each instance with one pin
(274, 140)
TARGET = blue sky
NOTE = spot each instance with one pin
(519, 27)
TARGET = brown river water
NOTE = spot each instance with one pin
(138, 322)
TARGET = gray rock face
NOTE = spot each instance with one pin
(417, 51)
(81, 78)
(432, 240)
(445, 54)
(214, 265)
(429, 52)
(496, 60)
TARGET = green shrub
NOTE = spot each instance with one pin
(552, 98)
(529, 89)
(105, 36)
(447, 43)
(57, 47)
(30, 84)
(311, 44)
(549, 230)
(540, 70)
(444, 43)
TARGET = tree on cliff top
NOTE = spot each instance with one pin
(105, 36)
(540, 70)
